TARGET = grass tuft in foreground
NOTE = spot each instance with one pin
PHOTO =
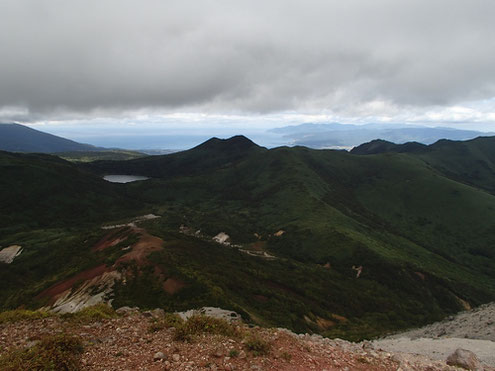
(169, 320)
(22, 315)
(92, 313)
(257, 345)
(199, 324)
(56, 352)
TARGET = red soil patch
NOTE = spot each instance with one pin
(173, 285)
(140, 250)
(109, 240)
(59, 288)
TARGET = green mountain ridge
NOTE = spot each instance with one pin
(471, 162)
(417, 228)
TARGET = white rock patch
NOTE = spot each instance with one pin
(227, 315)
(222, 238)
(133, 223)
(91, 292)
(8, 254)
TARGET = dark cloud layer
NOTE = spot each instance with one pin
(261, 56)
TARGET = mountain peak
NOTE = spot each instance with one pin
(373, 147)
(235, 143)
(382, 146)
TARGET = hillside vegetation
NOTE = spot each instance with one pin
(342, 244)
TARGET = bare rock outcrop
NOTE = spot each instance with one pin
(465, 359)
(8, 254)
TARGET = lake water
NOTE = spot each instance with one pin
(124, 178)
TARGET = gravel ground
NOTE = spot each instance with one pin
(440, 348)
(478, 323)
(127, 344)
(472, 330)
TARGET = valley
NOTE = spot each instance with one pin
(346, 245)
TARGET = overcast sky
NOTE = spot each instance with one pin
(418, 61)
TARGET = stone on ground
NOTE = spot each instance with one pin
(465, 359)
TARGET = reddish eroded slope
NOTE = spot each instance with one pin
(93, 280)
(141, 249)
(112, 238)
(56, 290)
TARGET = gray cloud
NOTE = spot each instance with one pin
(223, 56)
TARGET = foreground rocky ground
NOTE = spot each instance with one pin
(478, 323)
(473, 330)
(146, 341)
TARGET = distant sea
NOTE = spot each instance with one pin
(174, 142)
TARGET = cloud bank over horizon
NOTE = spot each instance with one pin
(355, 61)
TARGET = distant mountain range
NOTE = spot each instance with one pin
(20, 138)
(335, 135)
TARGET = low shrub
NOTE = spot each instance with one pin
(92, 313)
(257, 345)
(169, 320)
(21, 315)
(56, 352)
(199, 324)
